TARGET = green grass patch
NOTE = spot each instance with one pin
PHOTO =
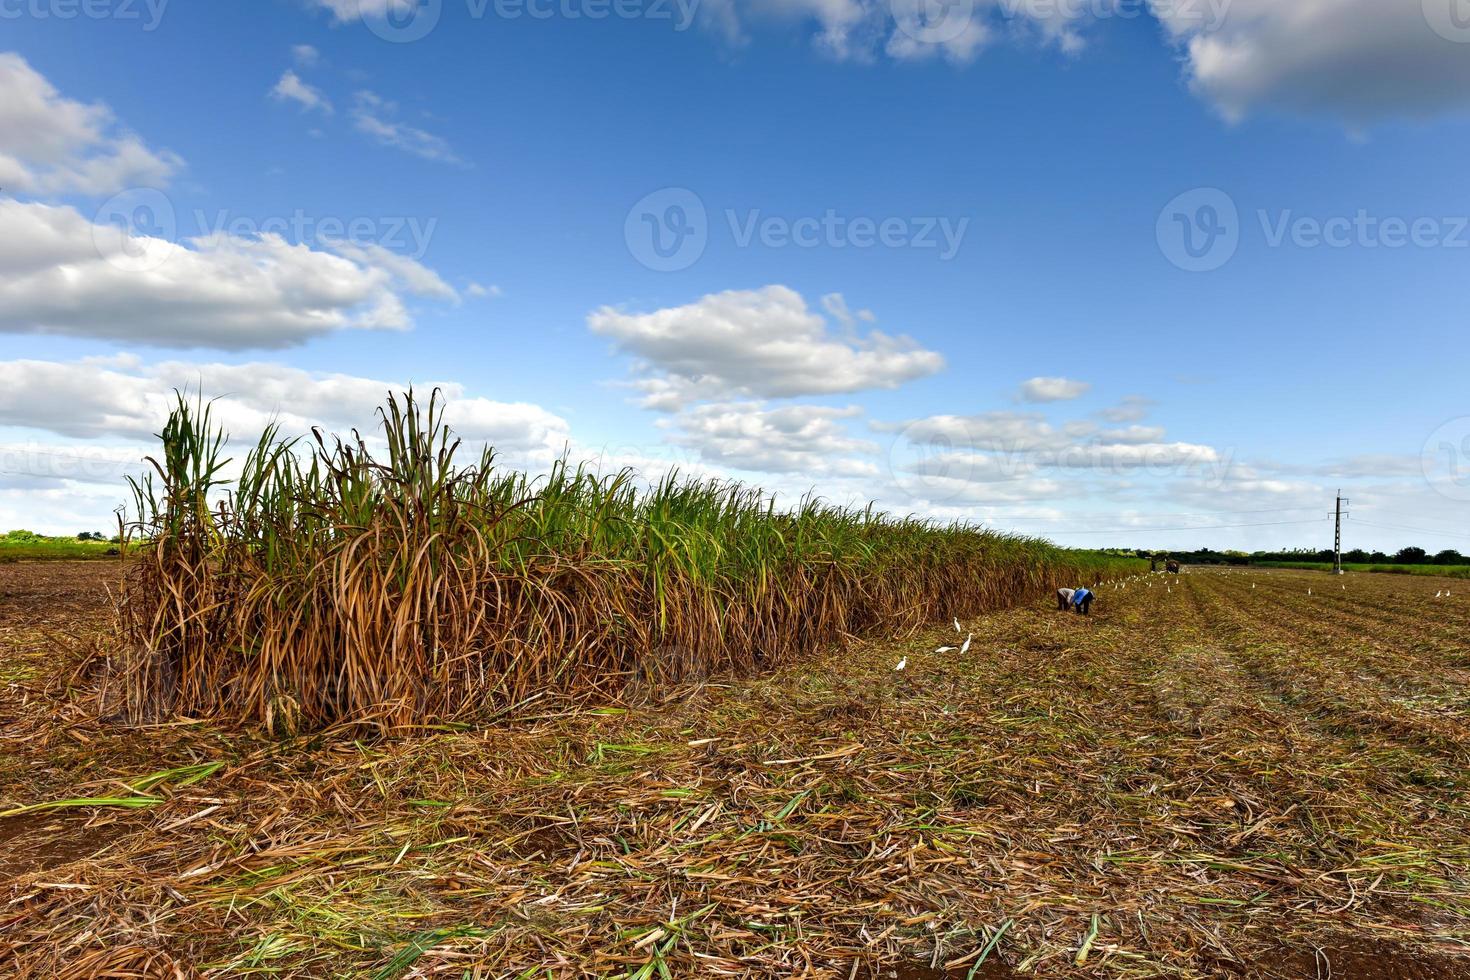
(29, 546)
(1441, 571)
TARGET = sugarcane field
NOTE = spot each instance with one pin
(734, 490)
(467, 738)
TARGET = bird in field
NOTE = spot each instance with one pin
(946, 649)
(965, 648)
(1437, 595)
(1309, 592)
(957, 624)
(902, 664)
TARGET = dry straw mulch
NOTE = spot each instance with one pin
(1203, 779)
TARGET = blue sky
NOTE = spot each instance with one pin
(311, 213)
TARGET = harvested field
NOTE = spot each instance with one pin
(1219, 775)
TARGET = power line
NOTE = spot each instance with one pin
(1199, 527)
(1217, 513)
(1416, 530)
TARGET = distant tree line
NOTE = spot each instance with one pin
(1405, 556)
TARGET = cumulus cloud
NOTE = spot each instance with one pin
(861, 30)
(50, 144)
(800, 439)
(1360, 60)
(1053, 389)
(124, 398)
(374, 116)
(989, 431)
(763, 343)
(1133, 434)
(60, 273)
(1133, 408)
(291, 88)
(74, 429)
(343, 11)
(945, 461)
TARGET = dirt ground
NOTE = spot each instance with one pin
(1222, 774)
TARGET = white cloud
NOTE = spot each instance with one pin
(478, 291)
(1133, 434)
(50, 144)
(1133, 408)
(292, 89)
(1360, 60)
(1141, 456)
(1053, 389)
(763, 343)
(62, 274)
(1009, 432)
(122, 398)
(106, 410)
(305, 55)
(373, 115)
(801, 439)
(343, 11)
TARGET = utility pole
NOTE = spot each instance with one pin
(1337, 538)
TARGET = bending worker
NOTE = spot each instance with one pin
(1064, 599)
(1082, 601)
